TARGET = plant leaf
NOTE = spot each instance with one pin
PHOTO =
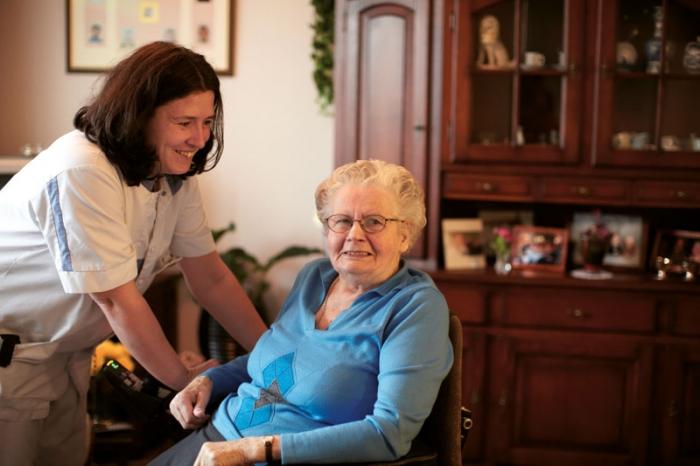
(218, 233)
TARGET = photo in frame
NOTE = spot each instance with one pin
(100, 33)
(676, 253)
(463, 244)
(539, 248)
(492, 219)
(627, 242)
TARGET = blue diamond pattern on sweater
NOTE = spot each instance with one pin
(278, 377)
(281, 370)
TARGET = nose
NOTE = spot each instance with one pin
(199, 136)
(356, 230)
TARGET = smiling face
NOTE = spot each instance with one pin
(360, 258)
(179, 129)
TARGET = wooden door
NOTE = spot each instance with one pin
(514, 111)
(576, 400)
(382, 85)
(642, 113)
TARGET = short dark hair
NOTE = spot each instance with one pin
(155, 74)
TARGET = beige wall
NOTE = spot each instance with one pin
(278, 145)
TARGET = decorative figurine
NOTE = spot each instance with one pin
(626, 55)
(492, 52)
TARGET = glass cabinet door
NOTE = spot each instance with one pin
(518, 83)
(649, 84)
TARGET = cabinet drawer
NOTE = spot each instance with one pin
(667, 193)
(552, 308)
(459, 186)
(582, 190)
(467, 303)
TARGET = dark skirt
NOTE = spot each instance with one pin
(184, 452)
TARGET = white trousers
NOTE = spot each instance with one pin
(61, 439)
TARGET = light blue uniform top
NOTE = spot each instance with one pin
(358, 391)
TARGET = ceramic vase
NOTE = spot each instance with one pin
(593, 251)
(691, 57)
(502, 266)
(653, 45)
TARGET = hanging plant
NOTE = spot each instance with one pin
(322, 53)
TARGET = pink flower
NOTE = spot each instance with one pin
(500, 243)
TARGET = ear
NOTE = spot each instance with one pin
(403, 241)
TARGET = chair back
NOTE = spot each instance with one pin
(442, 429)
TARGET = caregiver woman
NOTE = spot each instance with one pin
(86, 226)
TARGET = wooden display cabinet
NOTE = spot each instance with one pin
(557, 370)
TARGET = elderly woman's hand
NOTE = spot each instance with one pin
(189, 405)
(240, 452)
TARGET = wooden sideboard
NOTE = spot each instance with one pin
(563, 372)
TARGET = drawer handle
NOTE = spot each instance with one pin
(577, 313)
(581, 190)
(485, 187)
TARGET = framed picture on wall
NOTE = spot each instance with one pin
(463, 243)
(539, 248)
(627, 244)
(100, 33)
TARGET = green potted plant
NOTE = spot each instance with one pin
(214, 341)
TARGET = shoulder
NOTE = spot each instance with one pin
(416, 282)
(413, 296)
(73, 151)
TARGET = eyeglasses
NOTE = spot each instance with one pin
(340, 223)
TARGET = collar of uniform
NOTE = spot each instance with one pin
(175, 183)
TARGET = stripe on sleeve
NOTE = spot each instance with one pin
(66, 263)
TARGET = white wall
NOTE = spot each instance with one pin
(277, 144)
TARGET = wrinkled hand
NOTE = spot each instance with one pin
(230, 453)
(189, 405)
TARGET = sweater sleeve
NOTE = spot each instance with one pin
(226, 379)
(415, 357)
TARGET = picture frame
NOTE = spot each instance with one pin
(627, 244)
(463, 243)
(542, 249)
(676, 253)
(100, 33)
(492, 219)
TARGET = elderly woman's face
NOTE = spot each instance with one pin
(367, 258)
(179, 129)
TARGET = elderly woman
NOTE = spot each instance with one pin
(353, 364)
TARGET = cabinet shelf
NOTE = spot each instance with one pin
(621, 281)
(622, 74)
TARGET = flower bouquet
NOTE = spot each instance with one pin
(595, 241)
